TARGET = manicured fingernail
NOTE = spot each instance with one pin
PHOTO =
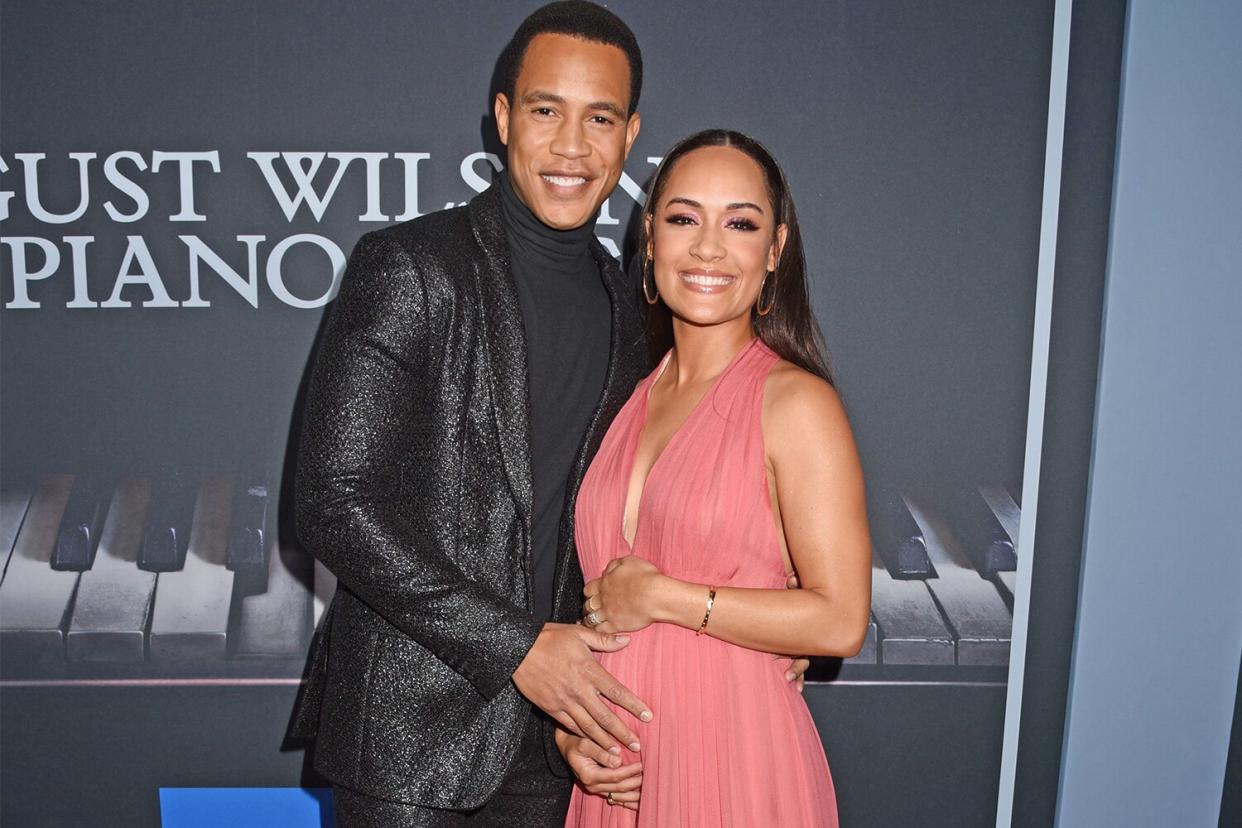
(614, 750)
(789, 677)
(634, 746)
(615, 761)
(645, 715)
(623, 639)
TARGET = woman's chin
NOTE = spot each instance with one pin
(706, 317)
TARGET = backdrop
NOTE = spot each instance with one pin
(179, 187)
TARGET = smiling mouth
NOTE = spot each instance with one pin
(706, 282)
(564, 180)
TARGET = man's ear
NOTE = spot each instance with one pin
(500, 107)
(631, 131)
(778, 244)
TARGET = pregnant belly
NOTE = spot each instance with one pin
(696, 683)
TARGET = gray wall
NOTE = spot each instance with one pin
(1155, 660)
(913, 133)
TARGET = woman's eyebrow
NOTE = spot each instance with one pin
(736, 205)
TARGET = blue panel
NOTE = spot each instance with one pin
(246, 808)
(1155, 663)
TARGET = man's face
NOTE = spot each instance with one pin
(566, 128)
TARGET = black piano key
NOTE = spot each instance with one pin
(896, 536)
(983, 538)
(1007, 586)
(166, 535)
(81, 525)
(248, 538)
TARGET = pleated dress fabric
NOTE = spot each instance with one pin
(732, 742)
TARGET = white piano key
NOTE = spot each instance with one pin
(113, 604)
(911, 630)
(980, 620)
(34, 598)
(1004, 507)
(325, 588)
(191, 616)
(276, 623)
(13, 503)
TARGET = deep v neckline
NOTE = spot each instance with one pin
(644, 415)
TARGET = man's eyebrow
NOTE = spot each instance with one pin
(607, 106)
(542, 97)
(549, 97)
(736, 205)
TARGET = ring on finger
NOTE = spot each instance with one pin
(609, 797)
(592, 619)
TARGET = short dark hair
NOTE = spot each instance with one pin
(576, 18)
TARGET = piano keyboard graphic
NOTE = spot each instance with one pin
(152, 577)
(942, 585)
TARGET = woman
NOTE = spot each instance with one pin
(731, 466)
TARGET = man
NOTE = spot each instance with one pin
(472, 363)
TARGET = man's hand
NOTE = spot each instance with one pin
(561, 677)
(601, 772)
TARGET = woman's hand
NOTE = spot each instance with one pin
(624, 598)
(600, 772)
(797, 669)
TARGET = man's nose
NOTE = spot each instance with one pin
(570, 141)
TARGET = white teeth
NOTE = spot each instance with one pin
(564, 180)
(708, 281)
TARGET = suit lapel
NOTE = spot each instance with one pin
(506, 346)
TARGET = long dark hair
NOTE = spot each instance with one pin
(790, 328)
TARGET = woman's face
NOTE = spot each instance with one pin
(713, 237)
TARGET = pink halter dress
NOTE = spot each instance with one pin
(732, 742)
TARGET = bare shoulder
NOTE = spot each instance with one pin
(795, 397)
(803, 412)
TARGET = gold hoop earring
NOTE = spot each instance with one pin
(759, 309)
(651, 300)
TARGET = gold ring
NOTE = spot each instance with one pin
(610, 798)
(592, 619)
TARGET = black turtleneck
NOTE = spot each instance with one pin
(567, 317)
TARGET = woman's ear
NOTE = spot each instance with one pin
(648, 223)
(778, 244)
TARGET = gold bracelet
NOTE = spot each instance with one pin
(711, 599)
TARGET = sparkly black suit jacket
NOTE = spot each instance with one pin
(414, 487)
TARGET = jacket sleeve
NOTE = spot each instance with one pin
(363, 405)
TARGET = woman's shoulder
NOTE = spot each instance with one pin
(800, 405)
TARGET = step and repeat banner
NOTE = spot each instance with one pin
(180, 186)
